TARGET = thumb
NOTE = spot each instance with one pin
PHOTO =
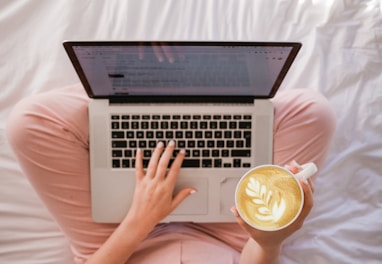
(181, 196)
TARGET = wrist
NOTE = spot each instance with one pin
(269, 253)
(137, 227)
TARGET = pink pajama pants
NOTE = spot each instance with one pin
(49, 135)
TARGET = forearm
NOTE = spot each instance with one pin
(122, 243)
(253, 253)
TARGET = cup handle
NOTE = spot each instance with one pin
(308, 170)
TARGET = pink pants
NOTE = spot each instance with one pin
(49, 135)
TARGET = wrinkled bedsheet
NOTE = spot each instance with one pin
(341, 57)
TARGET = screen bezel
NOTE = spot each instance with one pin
(69, 48)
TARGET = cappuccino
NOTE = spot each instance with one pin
(269, 197)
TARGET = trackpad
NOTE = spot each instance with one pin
(196, 203)
(227, 194)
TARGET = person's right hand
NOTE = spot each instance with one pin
(153, 197)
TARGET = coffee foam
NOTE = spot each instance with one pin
(269, 198)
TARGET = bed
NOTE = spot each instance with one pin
(341, 57)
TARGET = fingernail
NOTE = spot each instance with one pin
(305, 180)
(234, 211)
(183, 151)
(192, 191)
(160, 144)
(171, 143)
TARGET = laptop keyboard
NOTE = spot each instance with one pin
(210, 141)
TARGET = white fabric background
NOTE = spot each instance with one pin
(341, 57)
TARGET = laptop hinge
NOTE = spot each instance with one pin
(182, 99)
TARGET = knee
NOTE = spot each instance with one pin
(306, 107)
(20, 124)
(318, 110)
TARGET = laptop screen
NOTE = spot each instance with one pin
(131, 69)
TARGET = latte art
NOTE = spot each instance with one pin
(269, 198)
(271, 205)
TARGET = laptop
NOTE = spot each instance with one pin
(211, 98)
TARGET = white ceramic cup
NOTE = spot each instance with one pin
(270, 197)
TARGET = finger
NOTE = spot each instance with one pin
(240, 220)
(181, 196)
(139, 164)
(153, 163)
(175, 166)
(165, 159)
(310, 181)
(308, 200)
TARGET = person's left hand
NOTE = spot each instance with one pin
(274, 239)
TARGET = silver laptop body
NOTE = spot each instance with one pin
(211, 98)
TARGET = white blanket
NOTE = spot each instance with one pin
(341, 57)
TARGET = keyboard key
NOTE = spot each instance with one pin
(239, 143)
(237, 134)
(115, 125)
(194, 125)
(117, 153)
(125, 163)
(169, 134)
(213, 125)
(119, 143)
(125, 125)
(237, 163)
(117, 134)
(142, 144)
(223, 125)
(245, 125)
(128, 153)
(191, 144)
(207, 163)
(196, 153)
(147, 153)
(116, 163)
(206, 153)
(145, 125)
(135, 125)
(191, 163)
(198, 134)
(133, 144)
(240, 153)
(218, 163)
(164, 125)
(179, 134)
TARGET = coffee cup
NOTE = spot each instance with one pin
(270, 197)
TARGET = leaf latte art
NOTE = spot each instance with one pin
(271, 206)
(269, 198)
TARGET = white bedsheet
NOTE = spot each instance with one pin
(341, 57)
